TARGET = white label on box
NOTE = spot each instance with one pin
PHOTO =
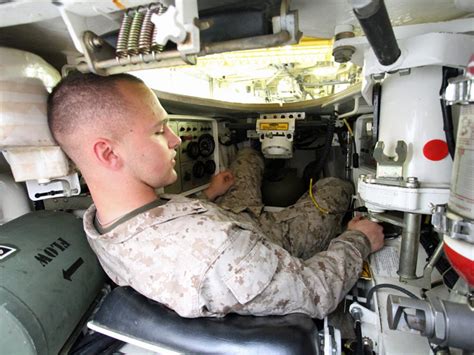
(385, 262)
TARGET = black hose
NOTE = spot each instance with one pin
(374, 20)
(313, 170)
(395, 287)
(447, 115)
(359, 342)
(376, 100)
(355, 155)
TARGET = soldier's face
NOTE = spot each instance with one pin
(149, 145)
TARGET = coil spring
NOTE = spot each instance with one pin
(122, 40)
(159, 10)
(144, 43)
(134, 35)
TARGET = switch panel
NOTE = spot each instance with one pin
(197, 157)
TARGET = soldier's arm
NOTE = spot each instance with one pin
(219, 185)
(268, 280)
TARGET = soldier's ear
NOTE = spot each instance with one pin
(105, 154)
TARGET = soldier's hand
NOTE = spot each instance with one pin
(219, 185)
(373, 231)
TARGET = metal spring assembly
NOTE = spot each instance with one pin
(146, 32)
(134, 35)
(122, 40)
(137, 33)
(159, 10)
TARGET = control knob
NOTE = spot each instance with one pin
(206, 145)
(199, 169)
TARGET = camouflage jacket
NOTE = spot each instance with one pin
(198, 260)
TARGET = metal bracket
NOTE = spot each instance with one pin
(442, 322)
(100, 58)
(455, 228)
(396, 306)
(398, 160)
(331, 339)
(96, 50)
(65, 186)
(177, 24)
(410, 182)
(459, 91)
(390, 166)
(75, 25)
(287, 21)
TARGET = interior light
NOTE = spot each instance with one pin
(288, 74)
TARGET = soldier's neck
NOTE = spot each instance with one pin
(112, 203)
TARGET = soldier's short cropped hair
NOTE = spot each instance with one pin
(86, 100)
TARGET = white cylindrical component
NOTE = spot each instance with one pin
(14, 201)
(25, 138)
(25, 80)
(410, 111)
(461, 198)
(37, 163)
(276, 147)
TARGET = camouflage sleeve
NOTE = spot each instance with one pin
(267, 280)
(200, 195)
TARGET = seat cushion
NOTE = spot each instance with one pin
(125, 312)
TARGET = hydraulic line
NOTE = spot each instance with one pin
(446, 111)
(375, 23)
(376, 99)
(358, 332)
(395, 287)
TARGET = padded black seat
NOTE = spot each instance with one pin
(125, 312)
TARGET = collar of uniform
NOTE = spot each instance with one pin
(177, 207)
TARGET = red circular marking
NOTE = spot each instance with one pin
(463, 266)
(436, 149)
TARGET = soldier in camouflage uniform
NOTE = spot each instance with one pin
(197, 257)
(301, 229)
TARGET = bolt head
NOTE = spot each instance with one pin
(343, 54)
(97, 42)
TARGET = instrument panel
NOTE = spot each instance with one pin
(197, 158)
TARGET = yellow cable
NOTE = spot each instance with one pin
(314, 200)
(348, 127)
(119, 4)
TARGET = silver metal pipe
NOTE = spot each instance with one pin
(385, 217)
(409, 246)
(425, 280)
(272, 40)
(137, 62)
(436, 255)
(174, 57)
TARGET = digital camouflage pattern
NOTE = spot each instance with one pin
(200, 259)
(301, 228)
